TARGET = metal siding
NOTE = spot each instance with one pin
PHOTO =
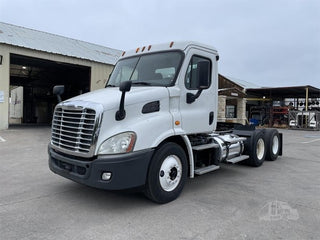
(99, 76)
(51, 43)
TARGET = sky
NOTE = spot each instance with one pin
(270, 43)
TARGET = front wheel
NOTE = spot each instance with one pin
(167, 173)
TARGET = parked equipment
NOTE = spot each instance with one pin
(304, 119)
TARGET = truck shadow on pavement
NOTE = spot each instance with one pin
(104, 200)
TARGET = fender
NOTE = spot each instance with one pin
(190, 154)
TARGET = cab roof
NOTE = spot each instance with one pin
(183, 45)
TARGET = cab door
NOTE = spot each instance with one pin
(198, 85)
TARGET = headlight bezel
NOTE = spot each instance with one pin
(112, 145)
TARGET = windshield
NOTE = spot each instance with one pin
(158, 69)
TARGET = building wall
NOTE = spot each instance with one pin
(241, 110)
(99, 73)
(236, 95)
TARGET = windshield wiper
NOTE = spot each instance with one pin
(141, 83)
(111, 85)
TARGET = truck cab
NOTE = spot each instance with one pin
(153, 125)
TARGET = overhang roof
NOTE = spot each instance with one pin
(244, 84)
(227, 82)
(232, 93)
(51, 43)
(284, 92)
(230, 88)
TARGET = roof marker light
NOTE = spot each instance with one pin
(149, 47)
(123, 54)
(171, 44)
(137, 50)
(143, 48)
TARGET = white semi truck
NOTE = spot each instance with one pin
(153, 125)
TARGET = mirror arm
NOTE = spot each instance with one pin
(58, 90)
(124, 87)
(192, 97)
(121, 113)
(59, 99)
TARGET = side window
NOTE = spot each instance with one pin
(196, 72)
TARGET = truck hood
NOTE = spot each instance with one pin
(110, 97)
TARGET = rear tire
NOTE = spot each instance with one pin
(256, 149)
(272, 139)
(167, 173)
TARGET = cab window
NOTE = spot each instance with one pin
(193, 75)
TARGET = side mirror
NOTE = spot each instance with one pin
(58, 90)
(203, 74)
(125, 86)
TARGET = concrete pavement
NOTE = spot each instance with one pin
(279, 200)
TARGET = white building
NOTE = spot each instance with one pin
(32, 62)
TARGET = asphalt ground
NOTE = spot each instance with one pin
(279, 200)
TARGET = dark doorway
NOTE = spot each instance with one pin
(37, 77)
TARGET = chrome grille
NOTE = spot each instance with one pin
(73, 129)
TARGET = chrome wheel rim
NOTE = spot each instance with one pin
(275, 145)
(260, 148)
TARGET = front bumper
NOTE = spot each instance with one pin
(128, 170)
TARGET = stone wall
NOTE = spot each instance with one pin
(241, 110)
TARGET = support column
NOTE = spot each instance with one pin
(241, 110)
(4, 88)
(222, 108)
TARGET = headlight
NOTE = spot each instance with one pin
(121, 143)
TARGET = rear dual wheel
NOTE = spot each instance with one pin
(263, 145)
(273, 143)
(255, 147)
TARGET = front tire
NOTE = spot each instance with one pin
(167, 173)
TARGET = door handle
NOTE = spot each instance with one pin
(211, 116)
